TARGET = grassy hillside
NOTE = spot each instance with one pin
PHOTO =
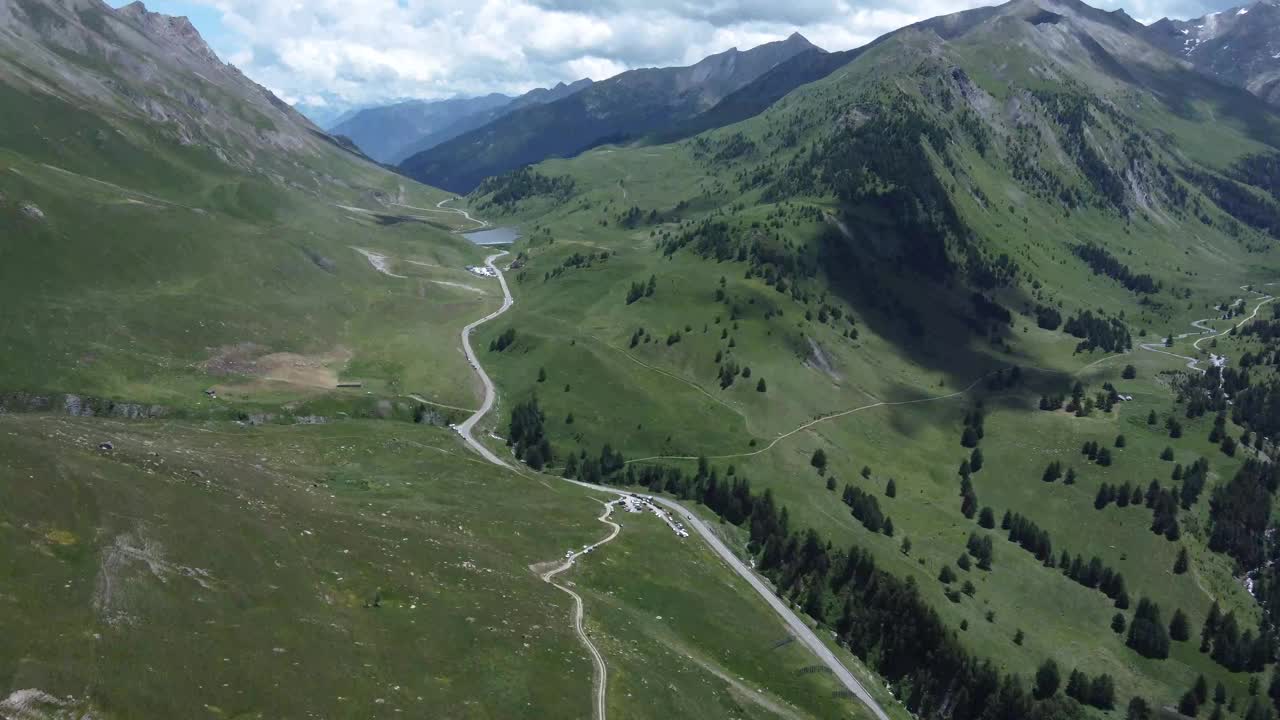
(857, 247)
(356, 570)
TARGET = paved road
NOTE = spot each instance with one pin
(466, 426)
(463, 213)
(1206, 332)
(797, 626)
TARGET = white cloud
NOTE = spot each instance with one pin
(349, 52)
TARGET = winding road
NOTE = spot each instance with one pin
(789, 617)
(490, 394)
(802, 631)
(601, 670)
(1206, 332)
(438, 208)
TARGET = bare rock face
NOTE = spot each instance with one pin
(1240, 45)
(161, 71)
(31, 211)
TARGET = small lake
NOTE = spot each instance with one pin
(494, 236)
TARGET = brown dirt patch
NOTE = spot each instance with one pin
(265, 368)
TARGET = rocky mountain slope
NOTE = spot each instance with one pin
(623, 107)
(1240, 45)
(148, 67)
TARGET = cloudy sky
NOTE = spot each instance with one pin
(329, 55)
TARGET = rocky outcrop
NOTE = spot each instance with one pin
(77, 406)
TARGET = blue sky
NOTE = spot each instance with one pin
(331, 55)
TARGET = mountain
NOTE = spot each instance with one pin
(151, 67)
(466, 123)
(325, 115)
(133, 157)
(384, 132)
(966, 247)
(803, 68)
(1240, 45)
(626, 106)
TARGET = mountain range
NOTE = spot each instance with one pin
(626, 106)
(1240, 45)
(960, 341)
(392, 133)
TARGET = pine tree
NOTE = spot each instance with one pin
(891, 488)
(975, 460)
(1179, 629)
(542, 374)
(1187, 705)
(1118, 623)
(762, 387)
(819, 460)
(1180, 565)
(1138, 709)
(1167, 454)
(987, 518)
(1047, 680)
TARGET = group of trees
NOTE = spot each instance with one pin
(981, 549)
(1240, 512)
(1095, 575)
(1122, 495)
(642, 289)
(503, 341)
(527, 434)
(973, 427)
(1164, 505)
(1104, 263)
(1147, 633)
(1110, 334)
(1029, 537)
(866, 508)
(510, 188)
(1053, 471)
(1100, 454)
(1099, 691)
(974, 420)
(1048, 318)
(1237, 651)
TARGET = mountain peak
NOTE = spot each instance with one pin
(175, 30)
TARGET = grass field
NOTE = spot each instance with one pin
(355, 570)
